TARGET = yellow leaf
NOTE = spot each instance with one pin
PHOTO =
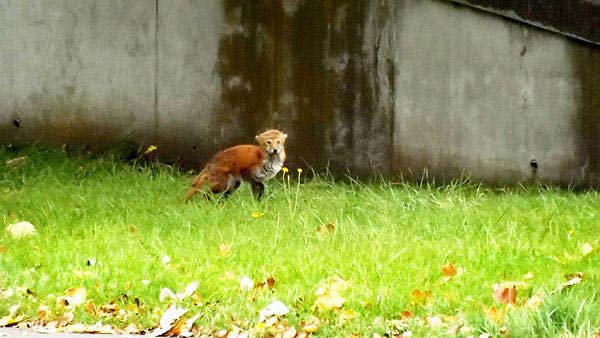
(225, 249)
(329, 301)
(150, 149)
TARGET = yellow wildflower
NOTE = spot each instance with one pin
(257, 214)
(299, 170)
(150, 149)
(284, 169)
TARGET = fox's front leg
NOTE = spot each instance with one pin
(257, 189)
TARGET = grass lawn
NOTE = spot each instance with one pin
(121, 233)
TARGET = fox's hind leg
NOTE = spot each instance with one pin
(233, 183)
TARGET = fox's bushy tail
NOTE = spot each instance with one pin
(197, 184)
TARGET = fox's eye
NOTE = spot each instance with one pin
(269, 142)
(278, 142)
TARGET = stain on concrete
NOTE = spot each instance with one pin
(305, 69)
(586, 61)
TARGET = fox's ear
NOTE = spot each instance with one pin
(284, 136)
(257, 137)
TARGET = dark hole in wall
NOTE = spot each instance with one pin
(533, 164)
(16, 123)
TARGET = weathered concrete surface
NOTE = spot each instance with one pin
(77, 71)
(487, 97)
(579, 19)
(187, 84)
(397, 87)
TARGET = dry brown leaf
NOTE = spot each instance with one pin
(326, 229)
(406, 314)
(2, 249)
(311, 325)
(43, 312)
(64, 319)
(271, 282)
(73, 297)
(419, 296)
(448, 271)
(505, 293)
(90, 308)
(108, 309)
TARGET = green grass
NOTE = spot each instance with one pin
(389, 240)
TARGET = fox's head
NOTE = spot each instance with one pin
(272, 141)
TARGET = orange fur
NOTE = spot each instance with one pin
(251, 163)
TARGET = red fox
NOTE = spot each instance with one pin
(251, 163)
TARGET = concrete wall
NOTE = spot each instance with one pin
(371, 86)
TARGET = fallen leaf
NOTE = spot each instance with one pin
(168, 320)
(73, 297)
(505, 294)
(166, 294)
(13, 316)
(271, 282)
(189, 291)
(448, 271)
(406, 314)
(246, 284)
(575, 279)
(326, 229)
(108, 309)
(330, 300)
(433, 321)
(494, 314)
(290, 332)
(16, 162)
(421, 296)
(21, 229)
(64, 319)
(274, 309)
(225, 249)
(90, 308)
(310, 326)
(586, 249)
(42, 312)
(536, 300)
